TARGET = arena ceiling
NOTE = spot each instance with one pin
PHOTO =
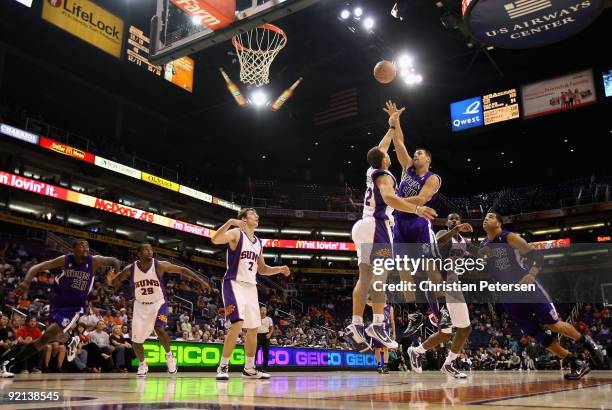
(206, 133)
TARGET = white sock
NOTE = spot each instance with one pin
(169, 354)
(224, 361)
(144, 361)
(451, 357)
(250, 363)
(379, 318)
(420, 349)
(357, 320)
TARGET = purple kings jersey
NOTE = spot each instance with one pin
(373, 203)
(411, 185)
(503, 263)
(75, 282)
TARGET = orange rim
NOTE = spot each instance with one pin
(266, 26)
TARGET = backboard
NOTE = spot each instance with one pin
(183, 27)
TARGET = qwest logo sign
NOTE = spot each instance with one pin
(466, 114)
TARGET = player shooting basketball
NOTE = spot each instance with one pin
(412, 234)
(373, 238)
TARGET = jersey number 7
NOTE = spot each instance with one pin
(368, 197)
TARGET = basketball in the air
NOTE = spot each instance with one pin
(385, 72)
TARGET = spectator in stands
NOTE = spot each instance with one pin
(54, 349)
(100, 338)
(125, 332)
(26, 335)
(5, 267)
(515, 361)
(7, 337)
(528, 363)
(94, 358)
(186, 325)
(121, 349)
(90, 320)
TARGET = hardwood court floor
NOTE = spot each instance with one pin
(324, 390)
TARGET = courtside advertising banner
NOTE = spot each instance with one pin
(208, 355)
(19, 134)
(522, 24)
(42, 188)
(117, 167)
(202, 196)
(66, 150)
(164, 183)
(308, 245)
(53, 191)
(87, 21)
(558, 94)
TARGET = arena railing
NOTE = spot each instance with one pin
(57, 243)
(188, 303)
(76, 140)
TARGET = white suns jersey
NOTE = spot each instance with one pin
(148, 286)
(373, 204)
(458, 247)
(242, 262)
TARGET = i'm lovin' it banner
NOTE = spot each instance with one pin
(42, 188)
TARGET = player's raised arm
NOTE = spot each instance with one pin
(444, 237)
(394, 114)
(267, 270)
(401, 151)
(99, 261)
(385, 186)
(22, 289)
(224, 235)
(165, 267)
(114, 277)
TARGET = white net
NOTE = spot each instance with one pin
(256, 50)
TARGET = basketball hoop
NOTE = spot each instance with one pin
(256, 50)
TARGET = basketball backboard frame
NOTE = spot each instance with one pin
(246, 19)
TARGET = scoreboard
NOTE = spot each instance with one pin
(138, 51)
(500, 106)
(178, 72)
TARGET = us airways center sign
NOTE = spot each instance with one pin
(528, 23)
